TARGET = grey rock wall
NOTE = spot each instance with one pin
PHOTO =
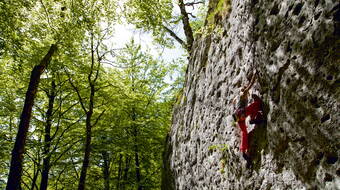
(295, 47)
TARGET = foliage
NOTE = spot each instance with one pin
(198, 23)
(222, 8)
(223, 150)
(137, 91)
(163, 19)
(219, 147)
(152, 16)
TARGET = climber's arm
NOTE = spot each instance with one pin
(234, 100)
(253, 78)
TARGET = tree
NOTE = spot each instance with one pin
(18, 50)
(157, 16)
(14, 176)
(11, 97)
(146, 111)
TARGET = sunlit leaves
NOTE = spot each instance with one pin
(135, 93)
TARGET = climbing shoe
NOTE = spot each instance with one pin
(245, 156)
(249, 163)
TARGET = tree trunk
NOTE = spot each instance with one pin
(135, 136)
(47, 138)
(89, 113)
(186, 26)
(137, 165)
(138, 175)
(86, 161)
(15, 173)
(106, 170)
(35, 177)
(119, 171)
(126, 171)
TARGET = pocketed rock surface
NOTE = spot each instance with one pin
(295, 48)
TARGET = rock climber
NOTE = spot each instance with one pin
(254, 110)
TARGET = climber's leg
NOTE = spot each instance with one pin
(244, 147)
(244, 136)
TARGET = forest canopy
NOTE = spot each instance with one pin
(79, 108)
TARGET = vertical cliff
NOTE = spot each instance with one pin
(295, 48)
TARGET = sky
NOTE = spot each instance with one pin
(125, 32)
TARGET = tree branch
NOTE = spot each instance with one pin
(60, 104)
(98, 118)
(174, 35)
(47, 15)
(58, 125)
(89, 76)
(186, 26)
(74, 167)
(194, 3)
(77, 91)
(193, 16)
(66, 150)
(62, 133)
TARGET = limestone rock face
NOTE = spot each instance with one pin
(295, 48)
